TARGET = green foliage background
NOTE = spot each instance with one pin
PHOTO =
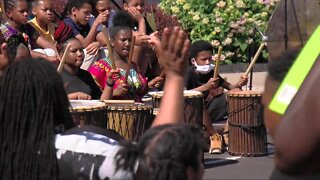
(228, 23)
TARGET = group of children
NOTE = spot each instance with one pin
(42, 96)
(88, 71)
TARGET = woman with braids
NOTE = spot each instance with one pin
(38, 138)
(33, 108)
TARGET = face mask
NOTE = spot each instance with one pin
(204, 69)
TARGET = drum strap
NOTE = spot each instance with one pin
(247, 128)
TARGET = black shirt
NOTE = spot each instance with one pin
(195, 79)
(82, 82)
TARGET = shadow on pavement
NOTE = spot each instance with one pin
(214, 162)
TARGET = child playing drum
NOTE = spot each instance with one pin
(200, 78)
(79, 83)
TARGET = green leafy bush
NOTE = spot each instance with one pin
(229, 23)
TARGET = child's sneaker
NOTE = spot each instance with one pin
(215, 144)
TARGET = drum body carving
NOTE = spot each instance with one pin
(86, 112)
(247, 133)
(129, 120)
(193, 109)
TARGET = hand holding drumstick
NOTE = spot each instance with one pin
(244, 78)
(112, 75)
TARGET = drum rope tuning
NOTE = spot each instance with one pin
(248, 128)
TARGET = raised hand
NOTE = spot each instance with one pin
(136, 15)
(141, 38)
(172, 51)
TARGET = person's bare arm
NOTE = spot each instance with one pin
(140, 35)
(242, 82)
(172, 53)
(297, 138)
(43, 43)
(91, 37)
(54, 60)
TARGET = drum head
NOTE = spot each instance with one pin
(85, 104)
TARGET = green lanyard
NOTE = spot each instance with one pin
(297, 74)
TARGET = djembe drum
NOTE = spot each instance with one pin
(247, 133)
(129, 120)
(88, 112)
(193, 109)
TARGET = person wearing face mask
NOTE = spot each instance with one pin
(200, 78)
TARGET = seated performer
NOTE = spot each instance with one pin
(200, 78)
(136, 86)
(79, 84)
(55, 149)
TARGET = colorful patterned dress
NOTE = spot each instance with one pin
(137, 84)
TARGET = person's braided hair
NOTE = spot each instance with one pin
(9, 5)
(164, 152)
(33, 108)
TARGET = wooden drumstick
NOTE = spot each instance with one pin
(63, 60)
(130, 58)
(106, 35)
(254, 59)
(216, 68)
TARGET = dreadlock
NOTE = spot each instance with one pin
(164, 152)
(33, 108)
